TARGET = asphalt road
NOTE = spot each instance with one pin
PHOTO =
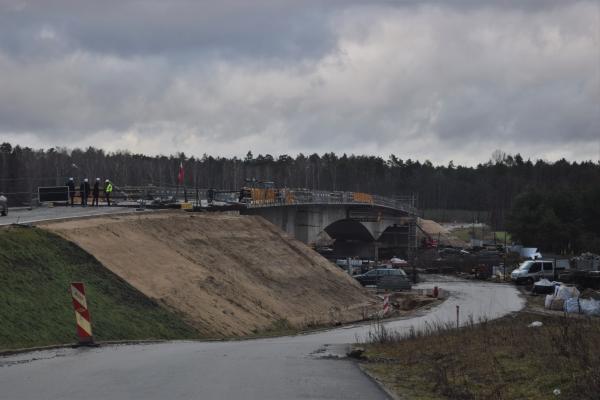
(45, 213)
(294, 367)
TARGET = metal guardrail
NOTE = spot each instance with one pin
(255, 198)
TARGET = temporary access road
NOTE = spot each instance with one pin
(292, 367)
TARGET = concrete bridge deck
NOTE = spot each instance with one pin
(360, 223)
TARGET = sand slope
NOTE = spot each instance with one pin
(227, 274)
(437, 231)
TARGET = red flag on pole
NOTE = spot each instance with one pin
(181, 174)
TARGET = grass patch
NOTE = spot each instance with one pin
(279, 327)
(467, 233)
(464, 234)
(36, 269)
(453, 215)
(502, 236)
(502, 359)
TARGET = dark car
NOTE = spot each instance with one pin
(379, 276)
(3, 205)
(452, 252)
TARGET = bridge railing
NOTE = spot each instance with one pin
(281, 197)
(256, 197)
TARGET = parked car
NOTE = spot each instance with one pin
(451, 251)
(533, 270)
(3, 205)
(379, 276)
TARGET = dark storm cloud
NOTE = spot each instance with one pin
(425, 79)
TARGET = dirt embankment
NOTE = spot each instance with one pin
(36, 270)
(438, 232)
(227, 274)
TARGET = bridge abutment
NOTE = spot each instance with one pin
(358, 230)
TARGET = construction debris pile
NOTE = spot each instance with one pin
(584, 271)
(586, 262)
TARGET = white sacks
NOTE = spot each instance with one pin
(554, 303)
(583, 306)
(590, 307)
(567, 298)
(562, 293)
(572, 306)
(548, 301)
(566, 292)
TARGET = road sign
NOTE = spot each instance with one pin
(82, 314)
(53, 193)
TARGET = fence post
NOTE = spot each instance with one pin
(457, 316)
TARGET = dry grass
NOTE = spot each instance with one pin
(503, 359)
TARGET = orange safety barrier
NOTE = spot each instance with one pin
(262, 196)
(289, 198)
(362, 197)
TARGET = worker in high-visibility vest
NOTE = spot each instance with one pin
(108, 188)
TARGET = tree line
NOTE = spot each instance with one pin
(492, 186)
(563, 222)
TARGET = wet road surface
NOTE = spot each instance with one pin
(294, 367)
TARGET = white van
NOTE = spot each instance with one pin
(533, 270)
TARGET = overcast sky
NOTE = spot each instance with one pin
(438, 80)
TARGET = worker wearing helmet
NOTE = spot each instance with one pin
(96, 192)
(71, 185)
(85, 192)
(108, 188)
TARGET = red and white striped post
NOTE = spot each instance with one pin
(82, 314)
(386, 304)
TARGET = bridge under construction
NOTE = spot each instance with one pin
(347, 224)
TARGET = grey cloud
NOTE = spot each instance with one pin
(420, 79)
(284, 28)
(125, 28)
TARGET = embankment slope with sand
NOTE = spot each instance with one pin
(226, 274)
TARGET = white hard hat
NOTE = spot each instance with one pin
(97, 179)
(85, 180)
(106, 180)
(70, 179)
